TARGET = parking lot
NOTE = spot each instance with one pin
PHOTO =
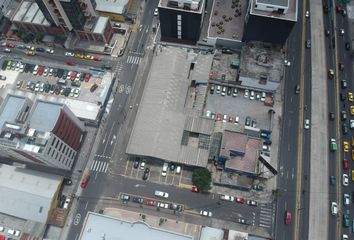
(67, 81)
(182, 179)
(239, 106)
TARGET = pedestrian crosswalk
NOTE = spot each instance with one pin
(134, 59)
(99, 166)
(266, 216)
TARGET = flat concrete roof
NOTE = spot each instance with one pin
(240, 142)
(282, 3)
(29, 12)
(27, 194)
(163, 111)
(97, 226)
(44, 115)
(10, 108)
(291, 14)
(112, 6)
(100, 25)
(197, 6)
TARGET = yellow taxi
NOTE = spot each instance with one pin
(78, 55)
(353, 175)
(30, 53)
(345, 146)
(353, 155)
(352, 141)
(88, 57)
(352, 110)
(350, 97)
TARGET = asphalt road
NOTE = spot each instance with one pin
(286, 196)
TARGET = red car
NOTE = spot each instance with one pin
(71, 63)
(73, 76)
(287, 219)
(339, 8)
(87, 77)
(97, 58)
(10, 45)
(240, 200)
(150, 202)
(195, 189)
(85, 181)
(218, 117)
(40, 70)
(345, 164)
(230, 119)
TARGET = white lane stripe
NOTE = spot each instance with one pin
(103, 166)
(94, 165)
(262, 225)
(98, 166)
(106, 168)
(266, 218)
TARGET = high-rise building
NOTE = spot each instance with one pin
(69, 14)
(181, 20)
(39, 132)
(4, 4)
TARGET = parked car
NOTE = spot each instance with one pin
(251, 203)
(240, 200)
(146, 174)
(161, 194)
(248, 121)
(93, 87)
(195, 189)
(227, 198)
(67, 202)
(287, 218)
(125, 197)
(205, 213)
(85, 181)
(136, 163)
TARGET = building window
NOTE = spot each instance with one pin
(179, 17)
(56, 156)
(56, 145)
(49, 150)
(64, 149)
(61, 144)
(53, 153)
(60, 157)
(53, 141)
(67, 150)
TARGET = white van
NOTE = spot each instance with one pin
(35, 70)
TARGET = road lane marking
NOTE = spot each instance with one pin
(185, 227)
(86, 205)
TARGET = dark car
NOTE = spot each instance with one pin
(4, 65)
(297, 89)
(254, 123)
(343, 84)
(136, 163)
(39, 49)
(61, 201)
(226, 51)
(138, 200)
(146, 174)
(331, 116)
(107, 67)
(327, 32)
(341, 66)
(258, 187)
(347, 46)
(172, 167)
(342, 96)
(229, 91)
(333, 180)
(267, 142)
(308, 43)
(93, 87)
(67, 181)
(325, 8)
(212, 87)
(343, 115)
(248, 121)
(345, 128)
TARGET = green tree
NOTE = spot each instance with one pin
(201, 178)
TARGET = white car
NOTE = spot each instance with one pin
(208, 113)
(307, 124)
(14, 232)
(45, 72)
(224, 118)
(252, 95)
(223, 92)
(178, 169)
(67, 202)
(307, 14)
(161, 194)
(163, 205)
(76, 92)
(351, 123)
(345, 180)
(287, 63)
(251, 203)
(71, 94)
(49, 50)
(164, 169)
(227, 198)
(345, 237)
(205, 213)
(156, 12)
(334, 208)
(263, 96)
(341, 31)
(218, 89)
(69, 54)
(237, 119)
(142, 165)
(246, 94)
(2, 228)
(7, 50)
(346, 199)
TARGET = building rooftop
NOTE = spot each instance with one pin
(241, 151)
(196, 6)
(10, 109)
(100, 25)
(45, 115)
(161, 129)
(27, 194)
(112, 6)
(290, 15)
(227, 19)
(29, 12)
(98, 226)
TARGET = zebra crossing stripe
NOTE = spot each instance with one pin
(99, 166)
